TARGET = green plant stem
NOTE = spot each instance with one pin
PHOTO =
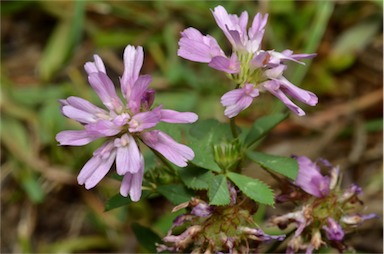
(235, 134)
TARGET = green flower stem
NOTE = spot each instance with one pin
(235, 134)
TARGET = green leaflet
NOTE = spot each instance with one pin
(204, 134)
(62, 42)
(253, 188)
(117, 201)
(262, 126)
(196, 178)
(218, 193)
(283, 165)
(176, 193)
(146, 237)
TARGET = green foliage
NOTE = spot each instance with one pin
(18, 142)
(261, 127)
(228, 155)
(62, 42)
(218, 193)
(164, 223)
(78, 245)
(10, 7)
(182, 101)
(196, 178)
(253, 188)
(146, 237)
(117, 201)
(204, 135)
(30, 111)
(283, 165)
(31, 185)
(351, 41)
(176, 193)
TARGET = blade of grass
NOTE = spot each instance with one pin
(315, 34)
(62, 42)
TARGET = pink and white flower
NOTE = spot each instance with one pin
(123, 124)
(248, 64)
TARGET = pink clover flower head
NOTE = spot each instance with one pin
(123, 124)
(310, 179)
(248, 64)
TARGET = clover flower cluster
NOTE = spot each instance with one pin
(123, 124)
(216, 229)
(252, 69)
(326, 213)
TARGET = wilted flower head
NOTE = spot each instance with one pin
(215, 229)
(123, 124)
(252, 69)
(327, 214)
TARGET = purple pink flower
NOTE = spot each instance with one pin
(253, 69)
(124, 124)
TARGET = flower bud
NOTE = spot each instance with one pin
(227, 155)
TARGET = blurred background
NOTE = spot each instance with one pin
(44, 45)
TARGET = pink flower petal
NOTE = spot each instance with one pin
(88, 169)
(239, 99)
(270, 86)
(143, 120)
(132, 185)
(228, 65)
(176, 153)
(78, 115)
(96, 66)
(74, 137)
(133, 61)
(172, 116)
(105, 89)
(128, 158)
(103, 128)
(99, 173)
(196, 47)
(137, 92)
